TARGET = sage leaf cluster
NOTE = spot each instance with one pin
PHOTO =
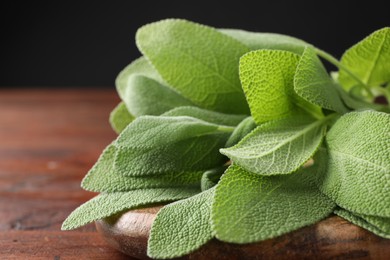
(244, 136)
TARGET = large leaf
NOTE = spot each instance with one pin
(146, 96)
(368, 60)
(270, 41)
(313, 83)
(104, 178)
(278, 147)
(181, 227)
(377, 225)
(358, 172)
(198, 61)
(248, 207)
(207, 115)
(267, 77)
(105, 205)
(120, 117)
(156, 145)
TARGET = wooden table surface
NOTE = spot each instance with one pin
(49, 139)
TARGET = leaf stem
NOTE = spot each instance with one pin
(339, 65)
(226, 129)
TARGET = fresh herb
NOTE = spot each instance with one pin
(300, 143)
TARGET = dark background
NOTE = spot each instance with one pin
(86, 43)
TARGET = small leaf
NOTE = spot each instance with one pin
(278, 147)
(377, 225)
(104, 178)
(145, 96)
(207, 115)
(138, 67)
(105, 205)
(155, 145)
(249, 208)
(244, 128)
(368, 60)
(181, 227)
(267, 77)
(270, 41)
(312, 83)
(211, 177)
(120, 117)
(358, 172)
(198, 61)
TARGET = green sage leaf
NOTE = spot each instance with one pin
(105, 205)
(249, 208)
(211, 177)
(120, 117)
(278, 147)
(312, 83)
(368, 60)
(358, 172)
(267, 77)
(153, 145)
(270, 41)
(103, 177)
(244, 128)
(198, 61)
(181, 227)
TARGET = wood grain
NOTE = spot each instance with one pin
(49, 138)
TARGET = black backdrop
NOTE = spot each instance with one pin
(85, 43)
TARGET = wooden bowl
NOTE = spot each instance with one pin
(332, 238)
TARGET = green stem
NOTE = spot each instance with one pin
(226, 129)
(339, 65)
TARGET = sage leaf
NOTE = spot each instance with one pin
(312, 83)
(181, 227)
(103, 177)
(198, 61)
(146, 96)
(267, 77)
(120, 117)
(140, 66)
(153, 145)
(206, 115)
(105, 205)
(245, 127)
(368, 60)
(248, 207)
(211, 177)
(278, 147)
(377, 225)
(270, 41)
(358, 171)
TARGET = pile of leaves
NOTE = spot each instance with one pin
(245, 136)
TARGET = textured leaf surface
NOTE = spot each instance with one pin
(198, 61)
(377, 225)
(278, 147)
(270, 41)
(368, 60)
(248, 207)
(146, 96)
(312, 83)
(207, 115)
(267, 77)
(211, 177)
(104, 178)
(181, 227)
(139, 66)
(120, 118)
(155, 145)
(358, 172)
(105, 205)
(244, 128)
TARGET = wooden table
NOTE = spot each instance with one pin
(48, 140)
